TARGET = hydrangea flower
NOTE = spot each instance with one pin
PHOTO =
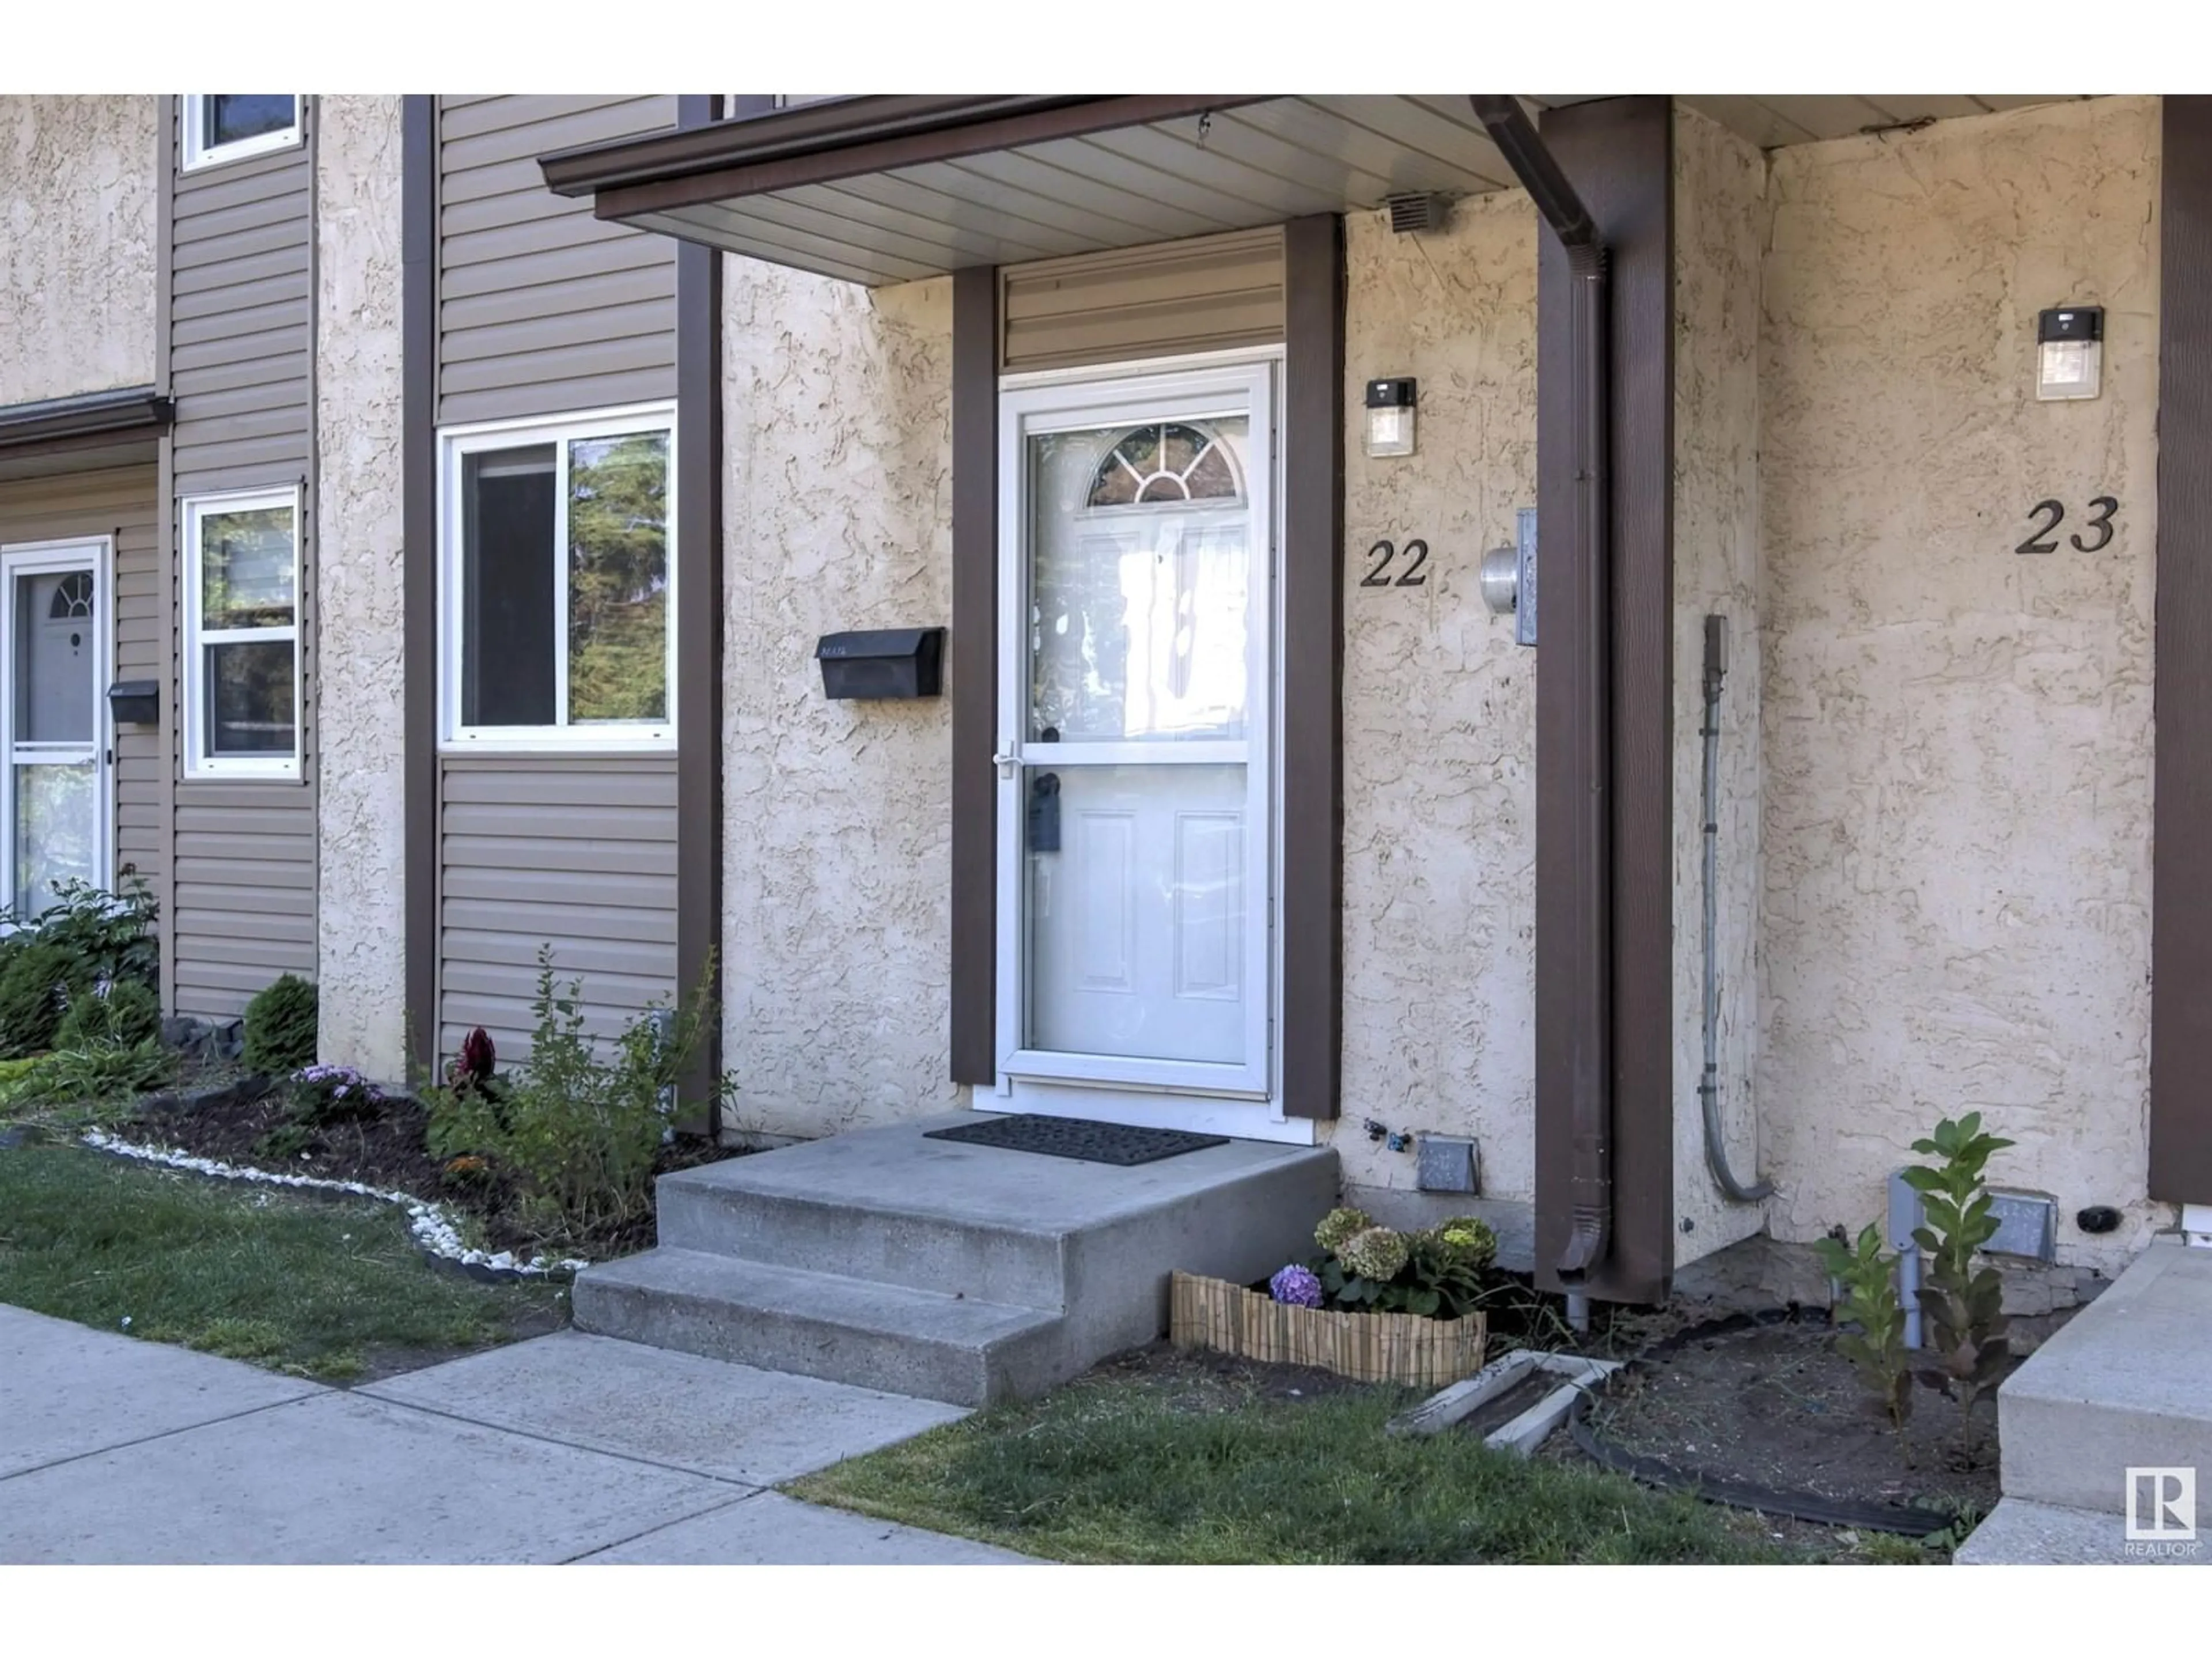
(1296, 1285)
(1339, 1224)
(1377, 1253)
(1461, 1241)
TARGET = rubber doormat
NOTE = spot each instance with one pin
(1077, 1138)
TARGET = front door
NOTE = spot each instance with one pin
(53, 793)
(1136, 825)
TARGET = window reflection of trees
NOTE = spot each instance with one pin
(1138, 616)
(618, 578)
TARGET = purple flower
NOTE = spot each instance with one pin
(1296, 1285)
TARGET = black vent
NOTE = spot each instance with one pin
(1421, 211)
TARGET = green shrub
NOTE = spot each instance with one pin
(38, 977)
(576, 1128)
(107, 935)
(1876, 1350)
(280, 1028)
(87, 1077)
(127, 1015)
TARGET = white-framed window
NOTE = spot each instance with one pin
(241, 656)
(557, 583)
(229, 127)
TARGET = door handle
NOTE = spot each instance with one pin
(1006, 763)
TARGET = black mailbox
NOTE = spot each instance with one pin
(136, 702)
(882, 662)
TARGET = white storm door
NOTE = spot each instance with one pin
(1135, 720)
(54, 619)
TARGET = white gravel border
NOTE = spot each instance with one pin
(435, 1233)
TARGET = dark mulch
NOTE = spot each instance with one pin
(1775, 1405)
(387, 1148)
(1205, 1379)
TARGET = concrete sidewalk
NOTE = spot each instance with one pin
(569, 1447)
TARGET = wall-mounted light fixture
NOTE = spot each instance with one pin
(1390, 417)
(2069, 352)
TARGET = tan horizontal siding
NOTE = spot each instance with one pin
(577, 853)
(123, 503)
(241, 309)
(240, 332)
(544, 309)
(1208, 294)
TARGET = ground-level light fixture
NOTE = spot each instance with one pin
(2069, 352)
(1390, 417)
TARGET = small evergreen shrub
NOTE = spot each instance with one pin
(32, 989)
(121, 1014)
(280, 1028)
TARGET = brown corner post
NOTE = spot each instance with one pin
(2181, 851)
(1312, 1029)
(699, 648)
(1604, 836)
(975, 665)
(418, 212)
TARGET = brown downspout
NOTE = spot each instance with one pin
(1590, 948)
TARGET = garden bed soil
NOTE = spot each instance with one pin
(386, 1148)
(1775, 1405)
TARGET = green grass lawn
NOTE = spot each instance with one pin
(328, 1291)
(1167, 1463)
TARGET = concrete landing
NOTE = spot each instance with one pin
(2126, 1385)
(965, 1273)
(2018, 1533)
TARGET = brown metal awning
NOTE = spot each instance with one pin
(889, 189)
(97, 428)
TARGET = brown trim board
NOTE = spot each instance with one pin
(2181, 852)
(975, 664)
(1618, 153)
(165, 535)
(699, 643)
(418, 213)
(1311, 1033)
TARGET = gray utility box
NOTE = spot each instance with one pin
(2027, 1222)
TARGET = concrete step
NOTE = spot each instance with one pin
(895, 1207)
(894, 1338)
(2126, 1385)
(2021, 1534)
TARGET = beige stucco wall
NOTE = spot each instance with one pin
(1720, 234)
(361, 947)
(78, 181)
(1958, 739)
(837, 815)
(1439, 713)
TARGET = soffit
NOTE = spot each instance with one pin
(888, 190)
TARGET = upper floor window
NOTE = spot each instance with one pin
(242, 656)
(557, 612)
(229, 127)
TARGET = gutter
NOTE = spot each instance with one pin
(137, 408)
(1591, 1042)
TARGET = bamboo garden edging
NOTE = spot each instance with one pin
(1368, 1347)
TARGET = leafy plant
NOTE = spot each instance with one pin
(1964, 1305)
(103, 1073)
(577, 1128)
(113, 1013)
(280, 1027)
(1870, 1302)
(318, 1095)
(1439, 1273)
(107, 935)
(34, 987)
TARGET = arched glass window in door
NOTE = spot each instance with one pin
(72, 598)
(1162, 463)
